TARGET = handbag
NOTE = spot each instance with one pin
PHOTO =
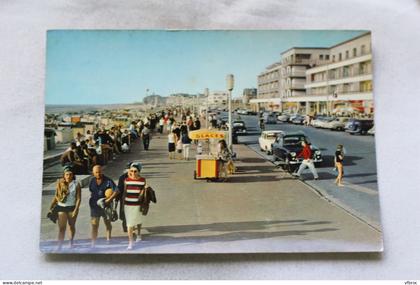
(53, 214)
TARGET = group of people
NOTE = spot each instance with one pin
(132, 194)
(307, 162)
(179, 142)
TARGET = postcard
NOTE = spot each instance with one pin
(209, 141)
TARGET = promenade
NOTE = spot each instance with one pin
(260, 209)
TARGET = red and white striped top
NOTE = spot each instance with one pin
(133, 186)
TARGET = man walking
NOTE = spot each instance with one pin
(306, 153)
(97, 187)
(145, 135)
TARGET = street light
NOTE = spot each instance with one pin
(230, 82)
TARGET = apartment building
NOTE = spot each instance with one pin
(269, 85)
(295, 62)
(344, 84)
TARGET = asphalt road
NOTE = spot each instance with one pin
(360, 194)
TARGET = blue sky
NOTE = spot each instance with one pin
(107, 67)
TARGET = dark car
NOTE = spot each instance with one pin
(286, 148)
(298, 120)
(239, 127)
(359, 127)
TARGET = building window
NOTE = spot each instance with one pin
(347, 54)
(340, 57)
(354, 52)
(321, 57)
(363, 49)
(327, 57)
(333, 58)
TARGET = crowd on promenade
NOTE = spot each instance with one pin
(89, 152)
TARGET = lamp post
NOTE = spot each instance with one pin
(229, 84)
(206, 93)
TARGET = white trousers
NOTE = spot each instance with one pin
(310, 164)
(186, 150)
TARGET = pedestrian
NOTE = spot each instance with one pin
(171, 145)
(134, 185)
(306, 154)
(70, 156)
(66, 204)
(338, 163)
(145, 135)
(179, 149)
(161, 123)
(186, 143)
(224, 157)
(98, 184)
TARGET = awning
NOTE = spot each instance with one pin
(204, 134)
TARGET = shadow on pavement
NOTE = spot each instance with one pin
(160, 236)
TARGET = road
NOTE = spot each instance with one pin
(360, 194)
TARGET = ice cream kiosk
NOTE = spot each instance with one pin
(207, 165)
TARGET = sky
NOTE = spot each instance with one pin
(121, 66)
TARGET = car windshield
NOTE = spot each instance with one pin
(272, 136)
(293, 140)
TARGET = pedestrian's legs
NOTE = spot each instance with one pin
(95, 226)
(302, 167)
(72, 227)
(62, 223)
(339, 178)
(312, 169)
(139, 237)
(108, 227)
(130, 237)
(187, 150)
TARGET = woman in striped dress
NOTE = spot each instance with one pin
(134, 185)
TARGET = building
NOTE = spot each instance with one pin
(248, 94)
(218, 99)
(295, 62)
(344, 84)
(269, 86)
(326, 80)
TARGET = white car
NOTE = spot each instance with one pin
(267, 138)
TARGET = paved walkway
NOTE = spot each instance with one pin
(260, 209)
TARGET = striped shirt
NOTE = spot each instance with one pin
(133, 189)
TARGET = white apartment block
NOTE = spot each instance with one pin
(295, 62)
(269, 86)
(345, 82)
(218, 98)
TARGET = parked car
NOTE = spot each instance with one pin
(269, 118)
(337, 124)
(318, 121)
(359, 127)
(283, 117)
(267, 138)
(239, 127)
(298, 120)
(286, 148)
(323, 123)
